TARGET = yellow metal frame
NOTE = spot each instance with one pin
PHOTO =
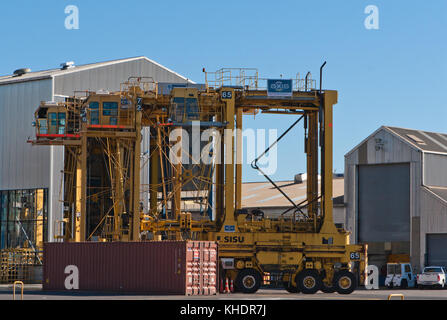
(284, 244)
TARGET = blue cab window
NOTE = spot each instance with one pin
(110, 108)
(94, 112)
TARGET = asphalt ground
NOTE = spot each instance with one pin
(34, 292)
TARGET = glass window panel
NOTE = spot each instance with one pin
(110, 108)
(43, 126)
(110, 105)
(94, 117)
(3, 205)
(398, 269)
(94, 105)
(178, 109)
(3, 235)
(3, 218)
(192, 109)
(23, 218)
(12, 200)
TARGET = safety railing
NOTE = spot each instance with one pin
(146, 84)
(243, 77)
(22, 285)
(248, 78)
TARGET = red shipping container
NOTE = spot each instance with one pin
(153, 267)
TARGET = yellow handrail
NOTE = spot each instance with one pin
(402, 297)
(14, 289)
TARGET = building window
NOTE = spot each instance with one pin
(23, 218)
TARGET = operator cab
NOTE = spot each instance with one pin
(51, 119)
(184, 105)
(104, 110)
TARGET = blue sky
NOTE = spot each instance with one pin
(395, 76)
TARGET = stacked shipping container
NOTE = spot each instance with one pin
(158, 267)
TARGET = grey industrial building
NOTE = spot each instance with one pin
(30, 175)
(396, 195)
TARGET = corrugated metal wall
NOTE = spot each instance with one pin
(433, 217)
(22, 166)
(435, 173)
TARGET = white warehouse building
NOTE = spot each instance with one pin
(396, 195)
(31, 177)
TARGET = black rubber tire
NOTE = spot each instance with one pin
(304, 277)
(404, 284)
(345, 275)
(248, 276)
(290, 288)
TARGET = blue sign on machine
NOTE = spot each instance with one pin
(279, 87)
(229, 229)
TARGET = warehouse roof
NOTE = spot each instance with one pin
(264, 194)
(423, 140)
(47, 74)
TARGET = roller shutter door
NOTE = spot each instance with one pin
(437, 249)
(384, 202)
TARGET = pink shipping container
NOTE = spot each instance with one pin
(152, 267)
